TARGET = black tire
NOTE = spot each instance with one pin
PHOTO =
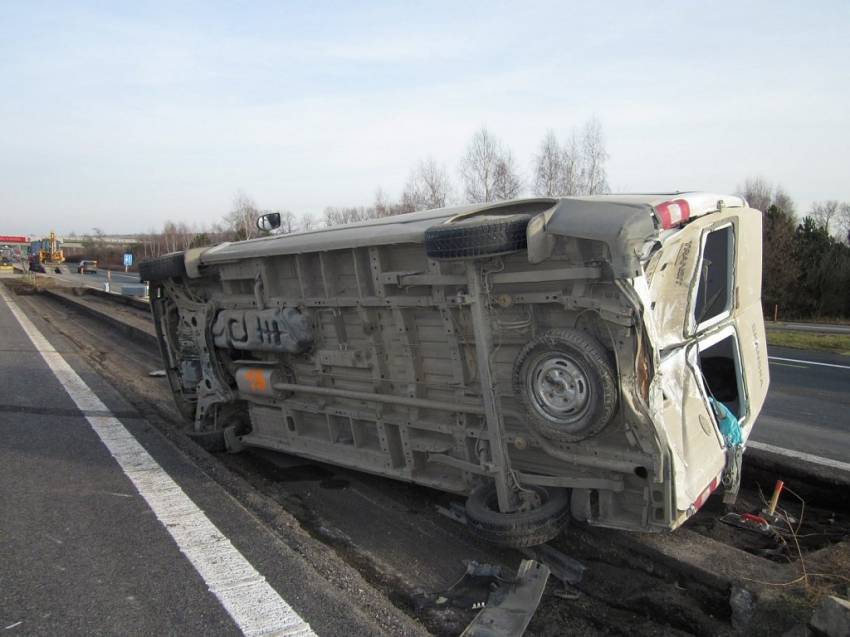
(168, 266)
(520, 529)
(212, 441)
(486, 235)
(584, 394)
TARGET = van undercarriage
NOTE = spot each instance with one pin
(518, 375)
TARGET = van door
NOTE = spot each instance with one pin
(697, 284)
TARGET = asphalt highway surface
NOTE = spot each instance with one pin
(96, 280)
(107, 529)
(808, 405)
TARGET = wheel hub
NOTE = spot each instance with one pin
(560, 388)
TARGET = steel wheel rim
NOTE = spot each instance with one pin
(559, 389)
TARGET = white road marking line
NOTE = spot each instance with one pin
(797, 360)
(256, 608)
(799, 455)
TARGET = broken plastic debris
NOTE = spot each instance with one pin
(568, 570)
(749, 522)
(511, 606)
(474, 587)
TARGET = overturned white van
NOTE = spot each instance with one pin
(547, 358)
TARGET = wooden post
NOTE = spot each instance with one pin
(775, 312)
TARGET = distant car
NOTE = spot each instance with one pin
(87, 267)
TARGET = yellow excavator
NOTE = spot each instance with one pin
(46, 253)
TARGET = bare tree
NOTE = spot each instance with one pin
(762, 195)
(574, 168)
(169, 236)
(571, 168)
(824, 213)
(409, 203)
(485, 161)
(594, 176)
(334, 216)
(843, 220)
(383, 206)
(288, 222)
(506, 183)
(758, 192)
(427, 187)
(783, 201)
(548, 167)
(307, 222)
(242, 219)
(184, 235)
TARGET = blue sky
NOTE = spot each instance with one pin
(121, 117)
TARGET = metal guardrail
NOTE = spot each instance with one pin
(142, 303)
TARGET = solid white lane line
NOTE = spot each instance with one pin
(797, 360)
(253, 604)
(799, 455)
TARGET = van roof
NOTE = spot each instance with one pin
(623, 221)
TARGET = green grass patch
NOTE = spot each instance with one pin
(838, 343)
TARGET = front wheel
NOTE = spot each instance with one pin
(518, 529)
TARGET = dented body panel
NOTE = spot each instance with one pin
(349, 345)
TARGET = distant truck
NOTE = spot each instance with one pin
(46, 253)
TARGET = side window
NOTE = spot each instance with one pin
(721, 370)
(716, 277)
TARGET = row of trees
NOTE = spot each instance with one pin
(806, 262)
(486, 172)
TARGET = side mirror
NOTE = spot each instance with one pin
(268, 221)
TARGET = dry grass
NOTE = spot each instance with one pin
(837, 343)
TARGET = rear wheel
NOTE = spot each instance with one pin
(520, 528)
(168, 266)
(486, 235)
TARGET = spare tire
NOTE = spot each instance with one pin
(167, 266)
(567, 383)
(520, 528)
(485, 235)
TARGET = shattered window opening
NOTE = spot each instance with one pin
(721, 371)
(716, 282)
